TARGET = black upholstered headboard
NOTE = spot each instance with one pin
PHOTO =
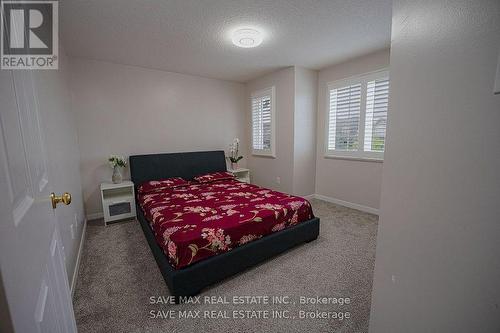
(185, 165)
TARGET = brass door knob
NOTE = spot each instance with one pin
(65, 199)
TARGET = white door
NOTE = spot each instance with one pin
(31, 258)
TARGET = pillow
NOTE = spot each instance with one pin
(211, 177)
(158, 185)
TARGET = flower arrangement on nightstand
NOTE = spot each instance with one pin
(234, 156)
(117, 162)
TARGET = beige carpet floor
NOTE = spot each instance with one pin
(118, 275)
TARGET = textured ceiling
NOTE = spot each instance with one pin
(191, 37)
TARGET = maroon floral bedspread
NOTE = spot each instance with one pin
(198, 221)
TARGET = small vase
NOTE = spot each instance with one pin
(234, 165)
(117, 176)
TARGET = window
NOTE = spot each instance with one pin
(263, 123)
(357, 116)
(345, 109)
(377, 101)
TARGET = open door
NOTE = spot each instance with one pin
(31, 257)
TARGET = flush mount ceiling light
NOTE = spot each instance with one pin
(247, 37)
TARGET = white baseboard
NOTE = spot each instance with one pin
(363, 208)
(95, 216)
(309, 197)
(78, 256)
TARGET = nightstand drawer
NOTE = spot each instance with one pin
(118, 209)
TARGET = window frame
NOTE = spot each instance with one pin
(259, 94)
(359, 154)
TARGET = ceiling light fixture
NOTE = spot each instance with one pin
(247, 37)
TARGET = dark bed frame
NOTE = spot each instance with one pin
(190, 280)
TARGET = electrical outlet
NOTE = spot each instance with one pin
(278, 180)
(72, 231)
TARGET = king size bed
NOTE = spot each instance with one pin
(203, 225)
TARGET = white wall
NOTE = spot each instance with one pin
(304, 139)
(63, 156)
(356, 182)
(266, 169)
(131, 110)
(294, 165)
(439, 229)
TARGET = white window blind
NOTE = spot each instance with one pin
(263, 122)
(343, 128)
(377, 102)
(357, 116)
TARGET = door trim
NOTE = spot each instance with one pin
(78, 256)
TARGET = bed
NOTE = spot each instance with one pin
(201, 233)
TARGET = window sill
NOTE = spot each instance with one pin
(264, 155)
(352, 158)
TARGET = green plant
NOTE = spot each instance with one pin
(116, 160)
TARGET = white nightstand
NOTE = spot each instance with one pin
(118, 201)
(241, 174)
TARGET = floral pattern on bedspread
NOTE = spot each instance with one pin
(201, 220)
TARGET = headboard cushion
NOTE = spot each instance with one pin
(185, 165)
